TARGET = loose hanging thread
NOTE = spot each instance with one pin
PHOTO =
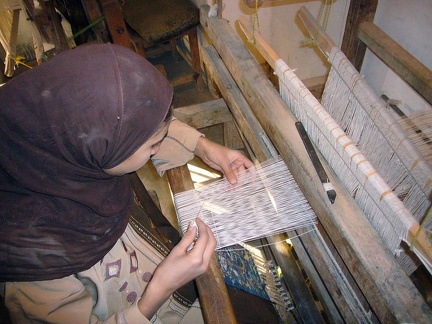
(323, 19)
(255, 24)
(265, 201)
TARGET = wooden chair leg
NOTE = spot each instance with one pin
(112, 11)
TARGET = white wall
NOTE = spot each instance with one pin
(410, 24)
(283, 31)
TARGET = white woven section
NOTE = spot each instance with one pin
(374, 130)
(265, 201)
(384, 210)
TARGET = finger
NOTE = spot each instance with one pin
(201, 241)
(240, 169)
(189, 237)
(212, 243)
(247, 163)
(230, 174)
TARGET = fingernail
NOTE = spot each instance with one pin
(192, 225)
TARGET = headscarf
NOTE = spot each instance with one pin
(61, 124)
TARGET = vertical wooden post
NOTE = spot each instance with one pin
(359, 11)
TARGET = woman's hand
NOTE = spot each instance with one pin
(221, 158)
(179, 267)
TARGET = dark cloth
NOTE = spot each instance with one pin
(85, 110)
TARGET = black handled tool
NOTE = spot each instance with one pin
(328, 187)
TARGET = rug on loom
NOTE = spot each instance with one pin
(240, 271)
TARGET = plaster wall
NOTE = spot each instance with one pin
(281, 28)
(410, 24)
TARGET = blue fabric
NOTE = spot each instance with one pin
(239, 270)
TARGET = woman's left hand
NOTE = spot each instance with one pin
(222, 159)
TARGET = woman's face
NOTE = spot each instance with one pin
(142, 155)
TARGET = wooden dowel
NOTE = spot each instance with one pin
(266, 51)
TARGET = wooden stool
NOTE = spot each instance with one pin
(154, 26)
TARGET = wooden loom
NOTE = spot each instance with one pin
(357, 279)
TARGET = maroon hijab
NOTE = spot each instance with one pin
(61, 123)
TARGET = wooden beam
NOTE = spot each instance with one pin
(387, 288)
(213, 293)
(204, 114)
(416, 74)
(359, 11)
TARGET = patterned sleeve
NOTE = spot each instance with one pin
(177, 148)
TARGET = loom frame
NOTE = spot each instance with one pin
(381, 284)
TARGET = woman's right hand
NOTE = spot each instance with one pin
(179, 267)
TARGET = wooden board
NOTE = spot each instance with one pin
(204, 114)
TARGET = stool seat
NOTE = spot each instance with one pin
(157, 21)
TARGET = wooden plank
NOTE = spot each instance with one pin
(263, 149)
(213, 293)
(359, 11)
(232, 138)
(204, 114)
(316, 85)
(183, 79)
(416, 74)
(250, 127)
(387, 288)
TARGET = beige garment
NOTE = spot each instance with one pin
(109, 291)
(177, 148)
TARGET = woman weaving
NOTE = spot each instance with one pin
(70, 132)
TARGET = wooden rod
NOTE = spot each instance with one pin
(259, 3)
(263, 149)
(265, 49)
